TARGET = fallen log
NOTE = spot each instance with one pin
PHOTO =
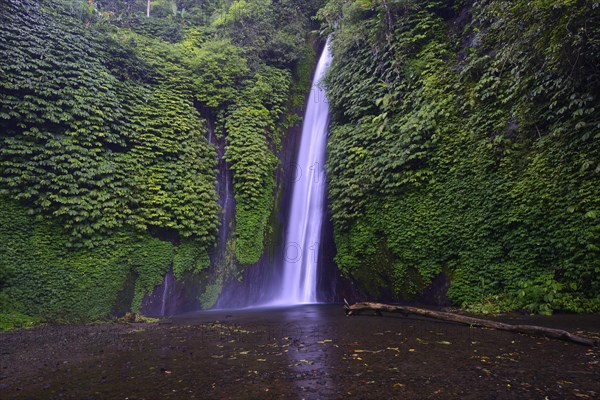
(357, 308)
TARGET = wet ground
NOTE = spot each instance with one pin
(310, 352)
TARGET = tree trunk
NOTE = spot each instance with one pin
(462, 319)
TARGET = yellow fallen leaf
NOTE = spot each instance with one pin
(581, 395)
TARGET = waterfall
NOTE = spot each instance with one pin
(299, 279)
(291, 276)
(165, 295)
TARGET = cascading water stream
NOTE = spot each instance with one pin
(303, 233)
(165, 294)
(294, 278)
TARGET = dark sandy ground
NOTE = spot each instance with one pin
(310, 352)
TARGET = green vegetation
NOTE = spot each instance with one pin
(106, 175)
(466, 140)
(252, 136)
(94, 145)
(16, 321)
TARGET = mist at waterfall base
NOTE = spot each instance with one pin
(300, 268)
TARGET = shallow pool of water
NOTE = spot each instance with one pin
(311, 352)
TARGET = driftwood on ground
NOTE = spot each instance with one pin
(463, 319)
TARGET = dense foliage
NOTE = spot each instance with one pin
(251, 134)
(47, 279)
(466, 140)
(96, 151)
(104, 157)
